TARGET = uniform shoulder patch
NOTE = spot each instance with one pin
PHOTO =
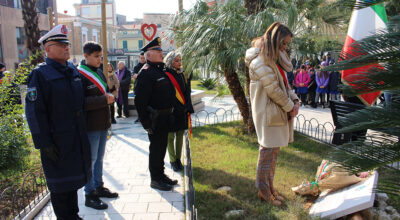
(31, 94)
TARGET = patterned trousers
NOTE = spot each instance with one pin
(266, 168)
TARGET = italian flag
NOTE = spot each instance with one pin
(363, 23)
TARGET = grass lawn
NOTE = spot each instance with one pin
(224, 155)
(196, 85)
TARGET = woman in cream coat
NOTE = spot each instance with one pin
(273, 103)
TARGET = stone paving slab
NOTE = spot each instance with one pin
(126, 172)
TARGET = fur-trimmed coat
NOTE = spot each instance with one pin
(271, 100)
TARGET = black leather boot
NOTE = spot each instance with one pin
(93, 201)
(179, 164)
(174, 166)
(169, 181)
(160, 185)
(104, 192)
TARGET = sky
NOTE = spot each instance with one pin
(133, 8)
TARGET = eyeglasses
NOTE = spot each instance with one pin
(63, 45)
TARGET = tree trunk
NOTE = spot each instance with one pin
(254, 6)
(238, 95)
(31, 26)
(250, 122)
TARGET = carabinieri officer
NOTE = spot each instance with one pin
(55, 114)
(154, 100)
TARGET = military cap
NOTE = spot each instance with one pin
(58, 33)
(155, 44)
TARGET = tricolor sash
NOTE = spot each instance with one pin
(181, 98)
(93, 77)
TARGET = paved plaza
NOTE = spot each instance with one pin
(126, 172)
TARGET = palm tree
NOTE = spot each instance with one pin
(31, 26)
(380, 148)
(216, 39)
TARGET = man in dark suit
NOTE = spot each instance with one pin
(124, 77)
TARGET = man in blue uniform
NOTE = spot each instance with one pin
(55, 114)
(154, 100)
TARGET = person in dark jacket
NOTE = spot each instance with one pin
(55, 113)
(334, 81)
(98, 121)
(124, 77)
(154, 101)
(136, 69)
(183, 108)
(312, 86)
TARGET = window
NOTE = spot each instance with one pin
(125, 45)
(84, 35)
(17, 3)
(42, 6)
(140, 44)
(99, 10)
(21, 49)
(85, 11)
(95, 35)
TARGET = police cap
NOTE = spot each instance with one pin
(155, 44)
(58, 33)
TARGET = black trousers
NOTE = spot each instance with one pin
(311, 98)
(65, 205)
(112, 111)
(158, 148)
(125, 105)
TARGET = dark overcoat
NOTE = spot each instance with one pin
(55, 114)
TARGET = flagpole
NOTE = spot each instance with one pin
(104, 39)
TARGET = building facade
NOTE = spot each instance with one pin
(91, 9)
(12, 33)
(83, 30)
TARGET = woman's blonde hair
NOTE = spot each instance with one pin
(112, 67)
(270, 43)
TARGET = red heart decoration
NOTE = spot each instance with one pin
(148, 26)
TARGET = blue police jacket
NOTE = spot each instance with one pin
(55, 114)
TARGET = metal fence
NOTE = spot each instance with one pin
(314, 129)
(191, 211)
(18, 201)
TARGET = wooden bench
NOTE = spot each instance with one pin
(341, 109)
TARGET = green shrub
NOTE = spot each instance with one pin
(14, 133)
(208, 83)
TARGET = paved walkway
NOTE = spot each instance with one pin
(126, 172)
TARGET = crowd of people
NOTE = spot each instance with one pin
(69, 110)
(314, 86)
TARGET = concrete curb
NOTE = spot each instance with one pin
(36, 209)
